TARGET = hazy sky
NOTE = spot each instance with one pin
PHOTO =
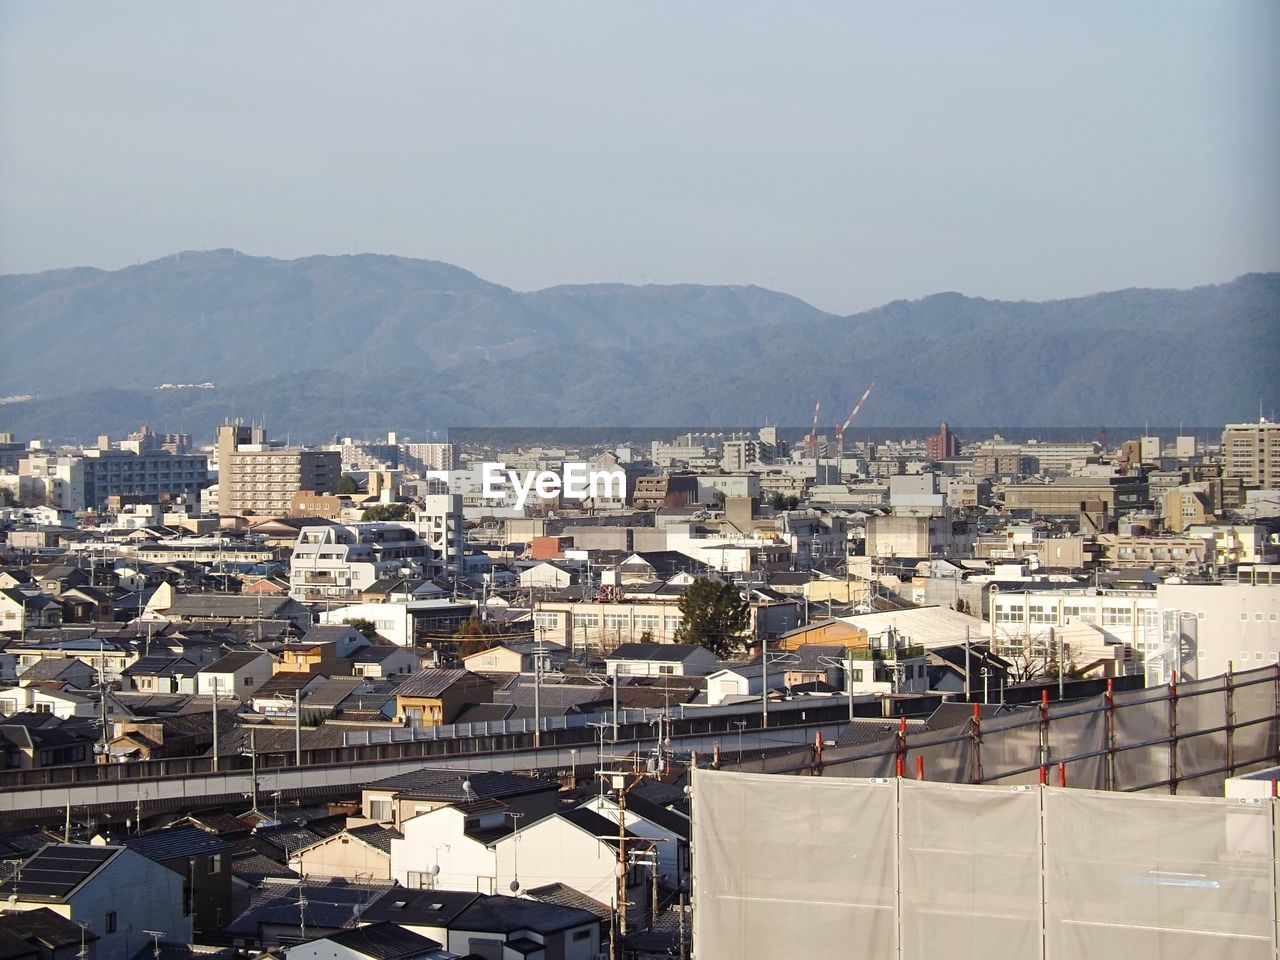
(849, 153)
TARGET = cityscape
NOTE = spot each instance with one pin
(639, 481)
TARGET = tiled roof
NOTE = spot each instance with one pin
(376, 836)
(565, 896)
(666, 652)
(384, 941)
(329, 906)
(176, 842)
(440, 783)
(432, 683)
(420, 908)
(499, 914)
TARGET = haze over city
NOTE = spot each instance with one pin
(849, 154)
(577, 481)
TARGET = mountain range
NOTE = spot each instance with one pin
(357, 344)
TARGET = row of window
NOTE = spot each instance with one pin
(612, 621)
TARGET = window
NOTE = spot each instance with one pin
(215, 863)
(615, 621)
(672, 624)
(646, 621)
(380, 810)
(111, 922)
(580, 935)
(1244, 617)
(546, 621)
(586, 620)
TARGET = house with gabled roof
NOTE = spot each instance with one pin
(373, 941)
(452, 848)
(84, 883)
(430, 698)
(356, 853)
(660, 659)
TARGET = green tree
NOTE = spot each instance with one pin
(714, 615)
(347, 484)
(367, 627)
(387, 511)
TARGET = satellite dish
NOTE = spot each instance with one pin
(435, 870)
(514, 886)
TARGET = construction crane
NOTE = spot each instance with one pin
(813, 431)
(840, 430)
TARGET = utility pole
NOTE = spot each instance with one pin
(297, 727)
(215, 724)
(966, 664)
(764, 681)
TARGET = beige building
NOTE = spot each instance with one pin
(1251, 453)
(358, 853)
(255, 477)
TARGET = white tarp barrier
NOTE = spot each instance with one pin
(970, 872)
(1178, 878)
(811, 867)
(793, 867)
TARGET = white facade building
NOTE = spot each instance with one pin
(338, 562)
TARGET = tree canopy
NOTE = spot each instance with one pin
(714, 616)
(388, 511)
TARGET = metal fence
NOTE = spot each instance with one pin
(905, 869)
(1177, 738)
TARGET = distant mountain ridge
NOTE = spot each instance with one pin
(326, 345)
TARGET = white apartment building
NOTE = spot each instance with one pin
(57, 480)
(1199, 630)
(338, 562)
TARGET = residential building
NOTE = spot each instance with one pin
(430, 698)
(356, 853)
(942, 445)
(1251, 453)
(373, 941)
(396, 800)
(340, 561)
(660, 660)
(117, 893)
(236, 674)
(256, 478)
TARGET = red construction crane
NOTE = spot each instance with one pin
(841, 429)
(813, 432)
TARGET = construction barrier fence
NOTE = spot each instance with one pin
(916, 870)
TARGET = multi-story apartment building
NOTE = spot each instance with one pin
(339, 561)
(87, 481)
(255, 477)
(942, 444)
(416, 458)
(1251, 453)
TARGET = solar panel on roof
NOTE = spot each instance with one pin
(56, 870)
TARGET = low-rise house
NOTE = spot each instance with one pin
(290, 909)
(479, 925)
(379, 662)
(356, 853)
(203, 861)
(30, 741)
(661, 659)
(374, 941)
(161, 674)
(453, 848)
(59, 672)
(235, 674)
(88, 883)
(430, 698)
(525, 929)
(517, 656)
(47, 935)
(406, 795)
(21, 611)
